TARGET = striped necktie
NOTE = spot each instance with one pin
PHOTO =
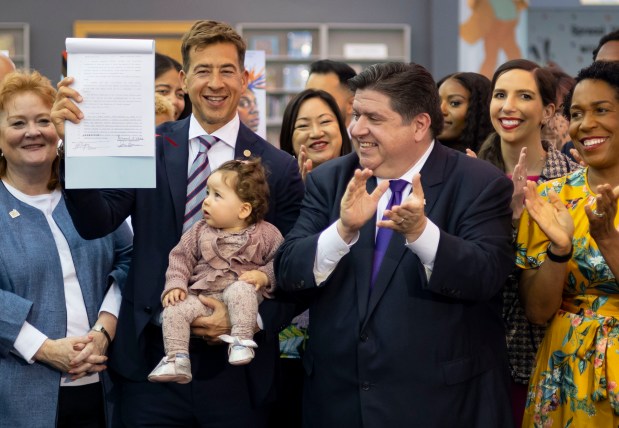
(196, 182)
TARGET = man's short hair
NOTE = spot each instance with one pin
(341, 69)
(410, 88)
(610, 37)
(204, 33)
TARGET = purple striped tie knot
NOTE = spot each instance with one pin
(196, 182)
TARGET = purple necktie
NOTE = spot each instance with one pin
(383, 236)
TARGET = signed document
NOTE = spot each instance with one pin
(116, 79)
(114, 145)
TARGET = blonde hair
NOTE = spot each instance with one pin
(18, 83)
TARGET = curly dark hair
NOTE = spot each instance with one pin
(490, 149)
(610, 37)
(477, 120)
(248, 178)
(606, 71)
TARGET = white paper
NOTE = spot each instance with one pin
(115, 78)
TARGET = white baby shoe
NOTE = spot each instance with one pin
(172, 369)
(240, 350)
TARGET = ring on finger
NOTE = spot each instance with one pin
(520, 178)
(598, 214)
(401, 221)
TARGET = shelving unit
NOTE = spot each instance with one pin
(15, 38)
(288, 57)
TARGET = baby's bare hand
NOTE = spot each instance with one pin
(255, 277)
(173, 296)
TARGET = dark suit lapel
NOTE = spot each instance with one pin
(247, 144)
(393, 257)
(363, 253)
(432, 175)
(431, 178)
(176, 157)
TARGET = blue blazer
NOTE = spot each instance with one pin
(414, 352)
(32, 289)
(156, 216)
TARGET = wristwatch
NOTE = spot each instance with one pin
(101, 329)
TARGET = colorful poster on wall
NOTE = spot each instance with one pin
(491, 32)
(252, 105)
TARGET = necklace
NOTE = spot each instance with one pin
(538, 166)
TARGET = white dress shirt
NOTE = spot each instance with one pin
(331, 247)
(30, 339)
(222, 151)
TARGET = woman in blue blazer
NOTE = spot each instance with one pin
(59, 294)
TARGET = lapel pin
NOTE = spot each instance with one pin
(14, 213)
(246, 153)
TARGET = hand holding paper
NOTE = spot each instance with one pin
(64, 107)
(105, 113)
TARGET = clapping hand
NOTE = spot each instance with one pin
(409, 217)
(552, 217)
(305, 164)
(519, 178)
(602, 217)
(357, 205)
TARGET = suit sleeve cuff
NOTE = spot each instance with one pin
(28, 342)
(426, 245)
(329, 251)
(111, 301)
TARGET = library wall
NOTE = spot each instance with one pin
(47, 34)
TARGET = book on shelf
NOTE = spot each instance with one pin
(274, 107)
(267, 43)
(299, 44)
(272, 81)
(295, 76)
(276, 104)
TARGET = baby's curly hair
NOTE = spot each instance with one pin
(248, 178)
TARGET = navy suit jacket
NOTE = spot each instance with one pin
(157, 217)
(414, 352)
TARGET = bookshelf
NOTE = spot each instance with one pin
(15, 38)
(291, 47)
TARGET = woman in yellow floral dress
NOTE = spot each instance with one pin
(568, 246)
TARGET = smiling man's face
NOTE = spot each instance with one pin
(215, 81)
